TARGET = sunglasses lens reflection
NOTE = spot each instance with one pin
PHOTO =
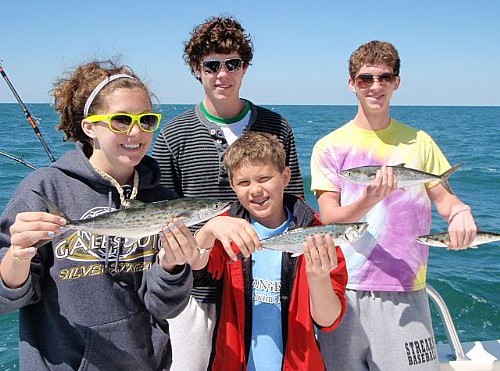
(120, 122)
(149, 122)
(233, 64)
(214, 66)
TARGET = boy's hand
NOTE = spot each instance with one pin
(320, 255)
(179, 246)
(30, 228)
(382, 185)
(462, 229)
(228, 229)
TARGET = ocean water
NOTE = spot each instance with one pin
(469, 281)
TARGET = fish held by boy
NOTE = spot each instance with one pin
(292, 241)
(143, 219)
(405, 176)
(442, 239)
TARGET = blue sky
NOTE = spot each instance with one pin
(450, 50)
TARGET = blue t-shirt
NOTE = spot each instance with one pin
(266, 348)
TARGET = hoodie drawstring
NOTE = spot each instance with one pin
(124, 201)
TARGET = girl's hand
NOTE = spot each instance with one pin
(30, 228)
(179, 246)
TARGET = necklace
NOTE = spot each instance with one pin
(119, 188)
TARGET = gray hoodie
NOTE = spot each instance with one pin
(91, 302)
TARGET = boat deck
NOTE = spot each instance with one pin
(479, 356)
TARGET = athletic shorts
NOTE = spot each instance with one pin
(383, 331)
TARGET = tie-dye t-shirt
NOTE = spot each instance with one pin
(387, 258)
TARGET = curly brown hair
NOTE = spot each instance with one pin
(72, 91)
(255, 148)
(374, 52)
(222, 35)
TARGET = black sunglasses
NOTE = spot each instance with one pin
(214, 65)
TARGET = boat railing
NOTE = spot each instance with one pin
(449, 326)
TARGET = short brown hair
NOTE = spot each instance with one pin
(374, 52)
(255, 147)
(218, 35)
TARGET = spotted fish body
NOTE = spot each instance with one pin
(442, 239)
(293, 240)
(405, 176)
(145, 219)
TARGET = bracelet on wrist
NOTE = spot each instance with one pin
(452, 216)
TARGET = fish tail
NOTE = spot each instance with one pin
(444, 177)
(52, 207)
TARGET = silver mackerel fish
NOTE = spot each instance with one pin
(144, 219)
(292, 241)
(405, 176)
(442, 239)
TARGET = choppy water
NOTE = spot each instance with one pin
(468, 280)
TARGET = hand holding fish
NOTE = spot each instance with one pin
(462, 228)
(179, 246)
(320, 255)
(30, 228)
(229, 230)
(383, 185)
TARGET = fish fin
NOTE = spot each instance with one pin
(51, 206)
(183, 214)
(403, 164)
(446, 175)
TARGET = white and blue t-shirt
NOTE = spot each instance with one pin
(266, 348)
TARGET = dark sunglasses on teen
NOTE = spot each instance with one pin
(214, 65)
(366, 80)
(124, 122)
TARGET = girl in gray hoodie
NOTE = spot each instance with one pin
(91, 302)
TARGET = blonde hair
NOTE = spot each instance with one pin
(255, 148)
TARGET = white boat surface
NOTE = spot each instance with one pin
(458, 356)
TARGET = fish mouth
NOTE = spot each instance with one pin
(363, 228)
(355, 232)
(342, 174)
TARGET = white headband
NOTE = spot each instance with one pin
(99, 87)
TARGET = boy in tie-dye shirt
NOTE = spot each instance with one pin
(387, 325)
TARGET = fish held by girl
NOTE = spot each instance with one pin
(143, 219)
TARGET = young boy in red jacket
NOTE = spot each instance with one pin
(271, 300)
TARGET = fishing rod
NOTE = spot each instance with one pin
(30, 118)
(21, 160)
